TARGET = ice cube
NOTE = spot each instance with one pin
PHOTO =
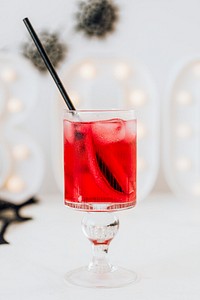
(130, 130)
(68, 131)
(74, 131)
(111, 131)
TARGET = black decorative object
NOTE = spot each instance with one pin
(4, 222)
(55, 49)
(9, 213)
(97, 18)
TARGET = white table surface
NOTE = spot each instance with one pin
(159, 239)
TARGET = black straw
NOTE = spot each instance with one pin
(48, 64)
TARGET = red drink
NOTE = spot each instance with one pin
(100, 164)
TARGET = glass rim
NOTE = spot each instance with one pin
(99, 110)
(91, 115)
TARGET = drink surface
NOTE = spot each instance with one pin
(100, 164)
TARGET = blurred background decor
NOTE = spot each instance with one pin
(21, 158)
(11, 213)
(96, 18)
(182, 130)
(56, 50)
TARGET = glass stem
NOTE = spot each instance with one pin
(100, 228)
(100, 263)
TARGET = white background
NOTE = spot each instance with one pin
(163, 246)
(158, 33)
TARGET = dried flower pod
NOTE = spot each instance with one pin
(97, 18)
(56, 51)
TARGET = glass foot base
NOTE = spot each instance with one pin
(118, 277)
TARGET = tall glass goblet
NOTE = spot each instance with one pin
(100, 178)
